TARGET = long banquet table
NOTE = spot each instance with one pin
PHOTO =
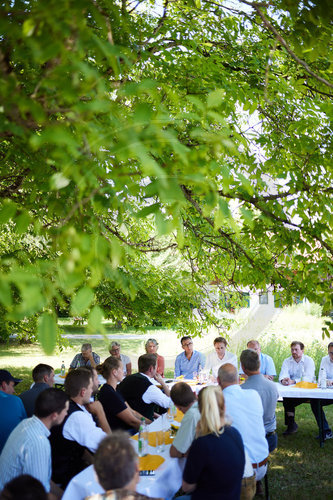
(318, 395)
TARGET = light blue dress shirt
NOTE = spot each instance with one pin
(186, 367)
(267, 366)
(27, 451)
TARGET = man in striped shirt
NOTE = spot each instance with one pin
(28, 450)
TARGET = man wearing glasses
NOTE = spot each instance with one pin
(327, 365)
(190, 361)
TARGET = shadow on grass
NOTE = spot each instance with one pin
(299, 468)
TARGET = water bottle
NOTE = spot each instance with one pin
(143, 439)
(62, 369)
(322, 377)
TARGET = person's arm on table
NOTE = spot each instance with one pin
(160, 380)
(270, 368)
(128, 416)
(284, 374)
(288, 381)
(96, 409)
(138, 415)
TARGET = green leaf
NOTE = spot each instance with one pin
(7, 211)
(224, 207)
(151, 209)
(59, 181)
(180, 236)
(22, 222)
(5, 293)
(215, 98)
(81, 301)
(248, 216)
(47, 332)
(95, 320)
(28, 27)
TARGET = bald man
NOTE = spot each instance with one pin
(245, 411)
(267, 366)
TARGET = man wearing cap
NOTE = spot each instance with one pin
(11, 407)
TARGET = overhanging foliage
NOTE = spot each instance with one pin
(200, 131)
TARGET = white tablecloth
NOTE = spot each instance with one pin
(164, 484)
(60, 380)
(290, 391)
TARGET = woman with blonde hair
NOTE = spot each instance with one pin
(215, 464)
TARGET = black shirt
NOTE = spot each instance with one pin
(113, 403)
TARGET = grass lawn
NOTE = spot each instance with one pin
(299, 468)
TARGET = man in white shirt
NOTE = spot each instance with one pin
(245, 411)
(139, 390)
(327, 365)
(219, 357)
(185, 400)
(78, 434)
(115, 467)
(294, 369)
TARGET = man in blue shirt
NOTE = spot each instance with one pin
(28, 450)
(11, 407)
(189, 361)
(267, 367)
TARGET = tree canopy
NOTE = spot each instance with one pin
(149, 149)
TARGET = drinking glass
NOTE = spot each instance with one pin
(170, 414)
(160, 441)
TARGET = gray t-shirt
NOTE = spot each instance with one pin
(186, 432)
(269, 395)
